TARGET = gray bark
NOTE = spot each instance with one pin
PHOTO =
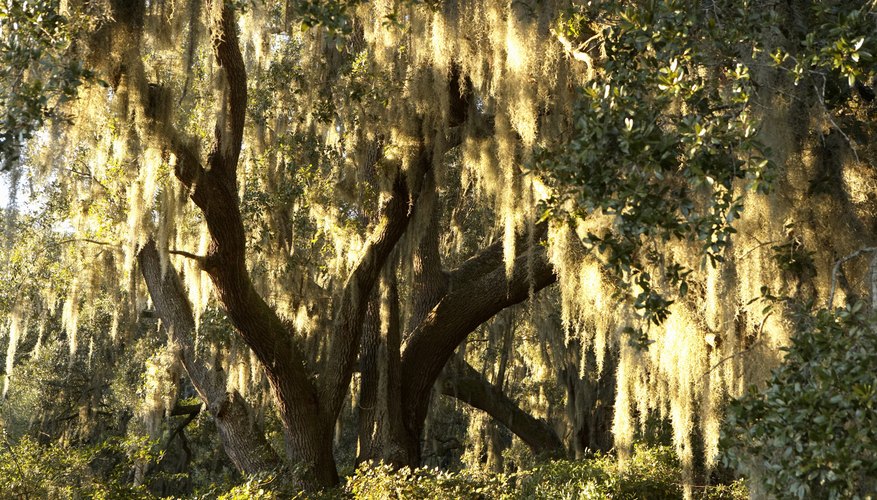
(242, 440)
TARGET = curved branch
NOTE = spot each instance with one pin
(468, 304)
(491, 256)
(462, 381)
(197, 258)
(230, 127)
(214, 191)
(836, 269)
(243, 442)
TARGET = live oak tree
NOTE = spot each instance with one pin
(404, 160)
(360, 186)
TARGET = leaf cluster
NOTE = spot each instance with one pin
(812, 431)
(29, 469)
(658, 139)
(840, 46)
(37, 74)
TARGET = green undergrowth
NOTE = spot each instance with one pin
(652, 473)
(32, 470)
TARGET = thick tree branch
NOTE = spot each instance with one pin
(468, 303)
(191, 412)
(230, 127)
(462, 381)
(394, 219)
(429, 281)
(214, 191)
(491, 256)
(381, 431)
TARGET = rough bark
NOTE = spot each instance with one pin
(462, 381)
(372, 366)
(381, 433)
(394, 219)
(429, 280)
(242, 440)
(589, 399)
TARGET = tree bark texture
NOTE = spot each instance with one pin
(381, 433)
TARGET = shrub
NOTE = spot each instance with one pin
(379, 482)
(31, 470)
(812, 432)
(652, 473)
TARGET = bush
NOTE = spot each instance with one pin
(652, 473)
(379, 482)
(31, 470)
(812, 432)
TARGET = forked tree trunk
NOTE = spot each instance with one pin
(477, 290)
(309, 397)
(448, 307)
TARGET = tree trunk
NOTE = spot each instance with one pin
(309, 397)
(381, 433)
(474, 295)
(242, 440)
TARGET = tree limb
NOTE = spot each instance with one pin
(393, 222)
(242, 441)
(468, 304)
(462, 381)
(836, 269)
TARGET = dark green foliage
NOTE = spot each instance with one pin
(31, 470)
(658, 142)
(841, 45)
(652, 473)
(106, 471)
(812, 432)
(37, 76)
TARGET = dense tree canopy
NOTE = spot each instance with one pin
(318, 226)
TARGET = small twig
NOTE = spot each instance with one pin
(198, 258)
(89, 240)
(576, 52)
(756, 247)
(831, 119)
(836, 269)
(88, 175)
(740, 353)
